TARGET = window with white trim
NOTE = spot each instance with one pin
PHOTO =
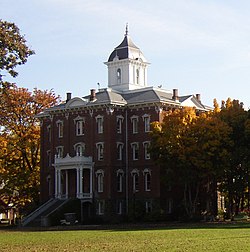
(119, 121)
(100, 180)
(147, 180)
(79, 149)
(134, 120)
(80, 127)
(146, 149)
(119, 147)
(119, 175)
(60, 128)
(99, 123)
(148, 206)
(137, 76)
(100, 207)
(135, 151)
(146, 119)
(119, 75)
(135, 180)
(100, 151)
(59, 151)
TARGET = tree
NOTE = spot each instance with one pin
(192, 148)
(20, 140)
(236, 180)
(13, 48)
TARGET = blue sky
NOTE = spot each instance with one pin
(197, 46)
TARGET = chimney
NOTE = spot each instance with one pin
(198, 97)
(175, 95)
(68, 97)
(92, 95)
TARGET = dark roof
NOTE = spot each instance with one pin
(123, 50)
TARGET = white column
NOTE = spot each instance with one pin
(91, 181)
(56, 184)
(67, 184)
(77, 182)
(59, 184)
(80, 177)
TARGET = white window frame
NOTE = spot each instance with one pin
(100, 207)
(80, 126)
(59, 124)
(146, 119)
(147, 179)
(119, 147)
(119, 76)
(119, 121)
(148, 206)
(135, 124)
(59, 151)
(79, 149)
(99, 122)
(100, 181)
(120, 174)
(135, 180)
(100, 151)
(146, 145)
(135, 150)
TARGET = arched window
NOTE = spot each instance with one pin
(137, 76)
(79, 149)
(119, 76)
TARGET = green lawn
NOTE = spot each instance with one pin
(210, 237)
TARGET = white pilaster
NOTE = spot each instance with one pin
(67, 183)
(81, 184)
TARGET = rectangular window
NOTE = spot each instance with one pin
(60, 129)
(119, 182)
(135, 178)
(134, 124)
(100, 207)
(100, 182)
(100, 151)
(119, 124)
(119, 151)
(146, 123)
(135, 151)
(146, 150)
(99, 121)
(148, 206)
(79, 127)
(59, 151)
(147, 178)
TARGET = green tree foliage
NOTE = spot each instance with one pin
(13, 49)
(20, 139)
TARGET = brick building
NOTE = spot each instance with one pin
(96, 148)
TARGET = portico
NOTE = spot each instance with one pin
(73, 177)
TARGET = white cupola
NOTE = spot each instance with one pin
(127, 66)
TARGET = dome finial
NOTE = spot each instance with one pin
(126, 31)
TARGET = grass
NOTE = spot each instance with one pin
(209, 237)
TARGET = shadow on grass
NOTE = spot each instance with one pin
(135, 227)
